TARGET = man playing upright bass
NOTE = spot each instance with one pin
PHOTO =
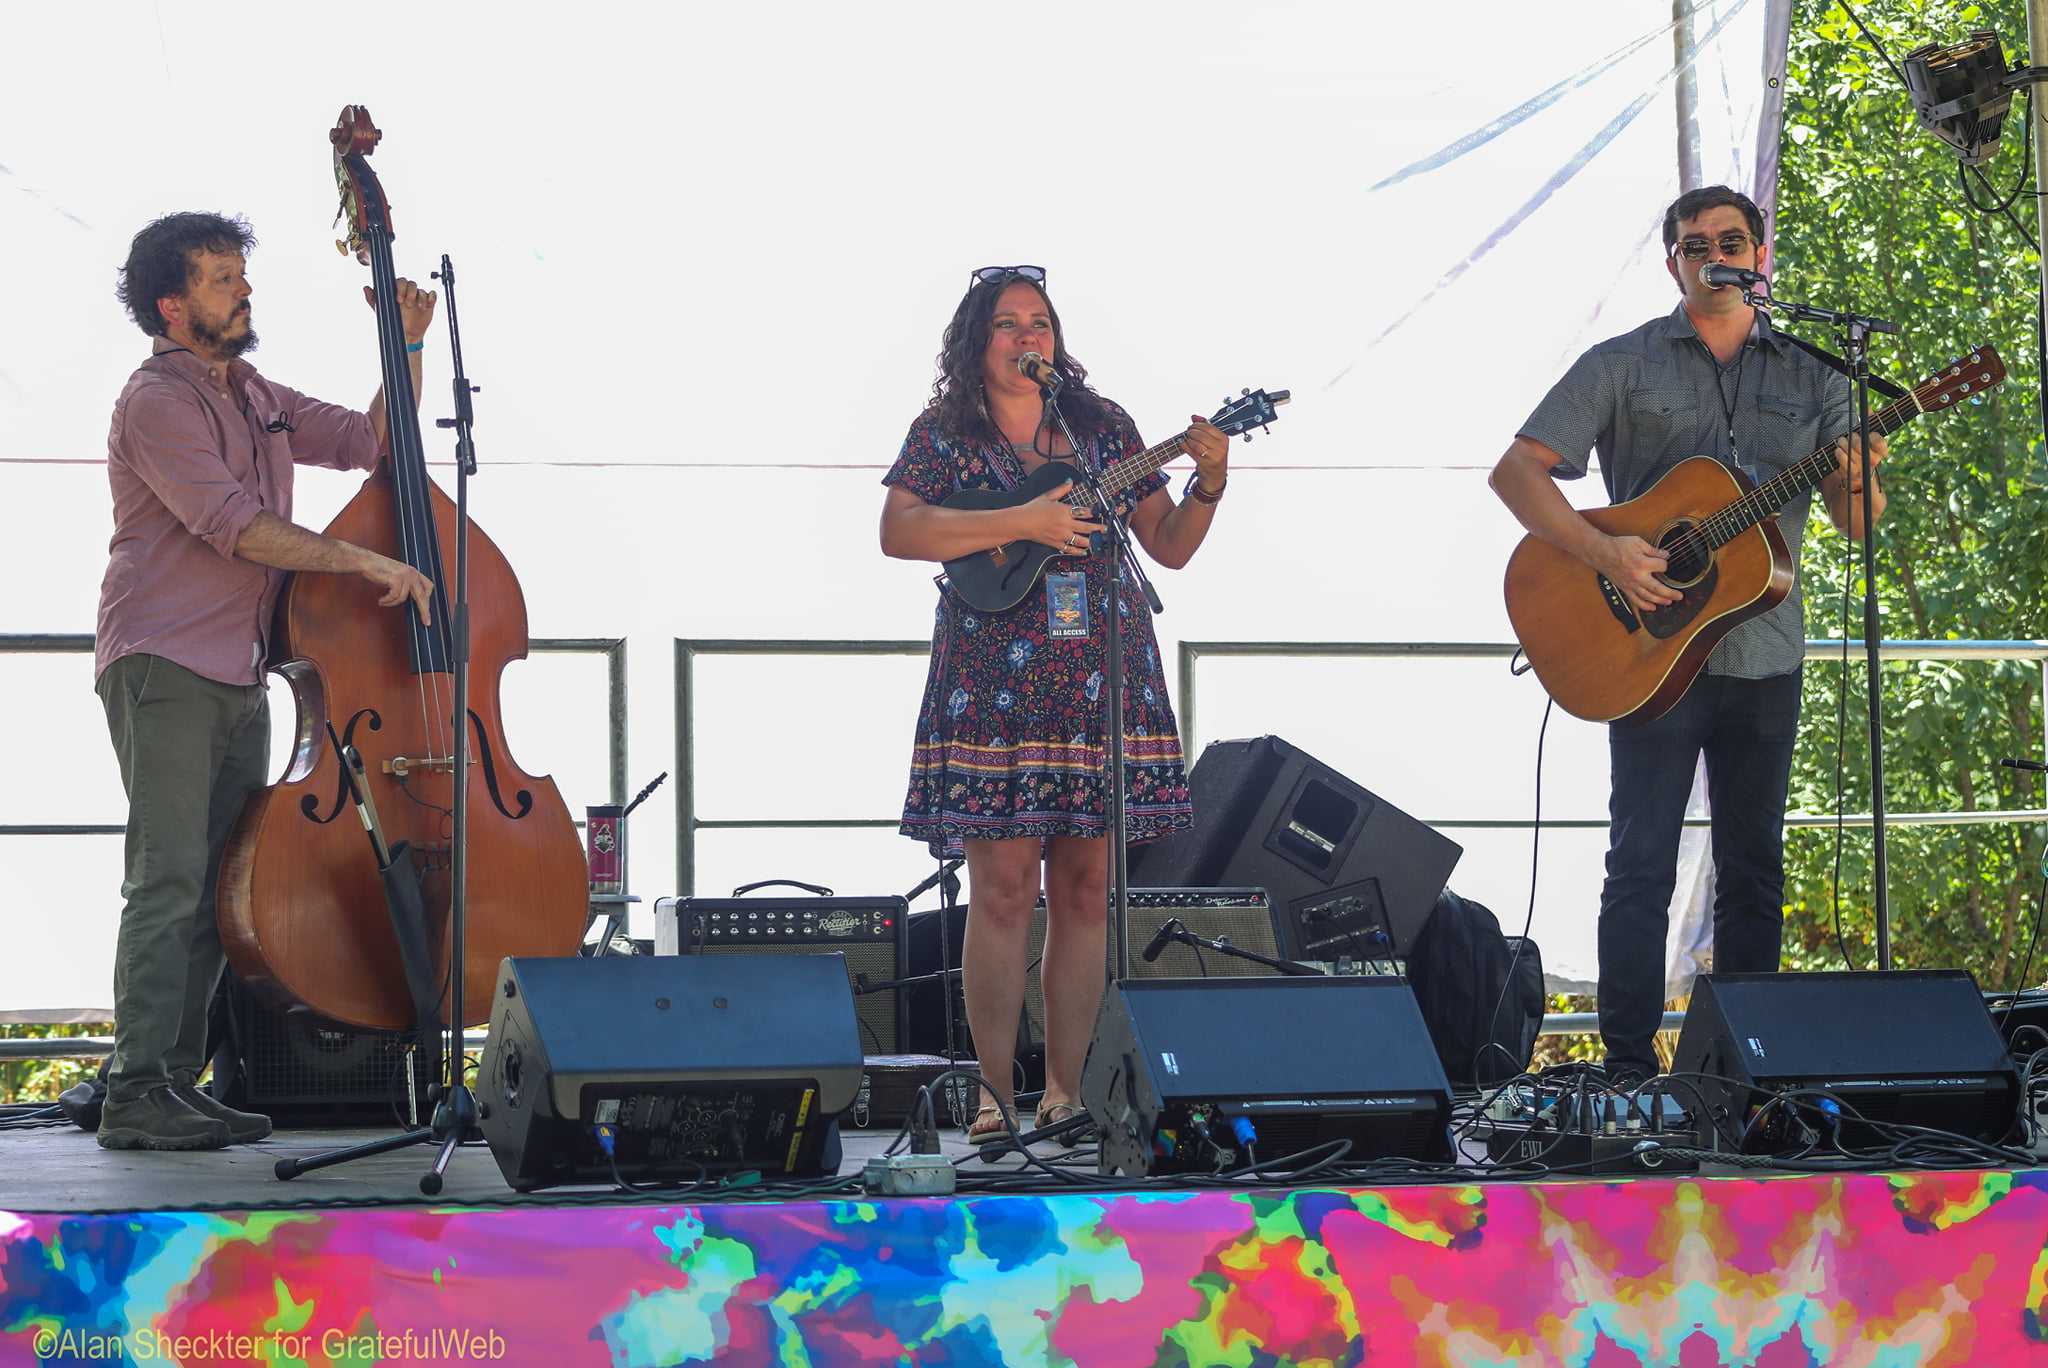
(1712, 378)
(200, 458)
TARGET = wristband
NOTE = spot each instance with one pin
(1202, 496)
(411, 347)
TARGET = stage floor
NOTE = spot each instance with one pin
(62, 1169)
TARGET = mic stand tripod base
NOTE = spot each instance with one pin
(455, 1123)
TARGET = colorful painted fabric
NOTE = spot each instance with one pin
(1010, 737)
(1936, 1270)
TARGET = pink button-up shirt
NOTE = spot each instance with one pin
(192, 461)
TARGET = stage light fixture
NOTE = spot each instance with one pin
(1962, 93)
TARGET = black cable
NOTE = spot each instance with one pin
(1529, 917)
(1849, 559)
(2033, 939)
(2026, 168)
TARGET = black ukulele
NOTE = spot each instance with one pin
(1001, 576)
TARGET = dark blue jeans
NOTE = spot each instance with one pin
(1746, 728)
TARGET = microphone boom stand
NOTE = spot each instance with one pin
(1117, 964)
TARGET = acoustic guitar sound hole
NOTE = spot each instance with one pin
(1689, 555)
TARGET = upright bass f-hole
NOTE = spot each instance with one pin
(483, 755)
(310, 804)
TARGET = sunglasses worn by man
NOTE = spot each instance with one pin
(1696, 249)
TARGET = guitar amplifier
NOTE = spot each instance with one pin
(873, 934)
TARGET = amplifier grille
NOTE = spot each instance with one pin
(295, 1070)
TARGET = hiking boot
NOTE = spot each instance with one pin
(159, 1120)
(242, 1126)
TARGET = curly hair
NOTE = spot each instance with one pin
(164, 260)
(956, 394)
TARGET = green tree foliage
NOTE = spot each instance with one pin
(1871, 217)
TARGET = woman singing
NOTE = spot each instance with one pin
(1009, 766)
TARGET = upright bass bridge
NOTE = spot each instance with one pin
(401, 765)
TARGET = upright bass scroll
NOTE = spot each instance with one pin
(302, 910)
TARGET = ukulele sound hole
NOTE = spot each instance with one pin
(1689, 555)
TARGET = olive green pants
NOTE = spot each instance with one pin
(190, 750)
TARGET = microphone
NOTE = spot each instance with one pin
(1038, 370)
(1714, 275)
(1167, 935)
(943, 873)
(2035, 765)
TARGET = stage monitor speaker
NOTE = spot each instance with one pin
(1245, 915)
(873, 934)
(697, 1064)
(1897, 1047)
(1354, 876)
(1197, 1075)
(300, 1070)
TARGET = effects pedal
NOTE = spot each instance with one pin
(1590, 1131)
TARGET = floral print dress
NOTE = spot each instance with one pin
(1011, 737)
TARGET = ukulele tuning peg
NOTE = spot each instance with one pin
(1246, 390)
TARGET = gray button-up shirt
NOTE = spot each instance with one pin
(1654, 397)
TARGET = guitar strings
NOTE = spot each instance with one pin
(1723, 525)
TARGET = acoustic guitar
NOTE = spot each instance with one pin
(1603, 660)
(1001, 576)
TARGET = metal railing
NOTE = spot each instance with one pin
(612, 648)
(2037, 651)
(688, 824)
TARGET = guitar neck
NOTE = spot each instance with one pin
(1726, 524)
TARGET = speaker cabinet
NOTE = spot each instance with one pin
(1899, 1047)
(302, 1071)
(1197, 1075)
(1353, 875)
(873, 934)
(697, 1064)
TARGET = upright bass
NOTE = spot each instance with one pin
(302, 907)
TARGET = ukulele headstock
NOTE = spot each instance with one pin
(1251, 409)
(362, 198)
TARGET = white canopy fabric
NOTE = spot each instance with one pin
(704, 254)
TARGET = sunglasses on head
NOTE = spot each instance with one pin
(1695, 249)
(992, 275)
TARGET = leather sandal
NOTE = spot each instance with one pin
(989, 1127)
(1051, 1114)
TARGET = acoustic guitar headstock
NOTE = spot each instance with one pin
(1964, 377)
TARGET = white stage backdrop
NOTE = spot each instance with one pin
(704, 254)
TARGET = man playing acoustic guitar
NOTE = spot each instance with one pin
(1712, 378)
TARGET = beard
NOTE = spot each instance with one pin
(217, 340)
